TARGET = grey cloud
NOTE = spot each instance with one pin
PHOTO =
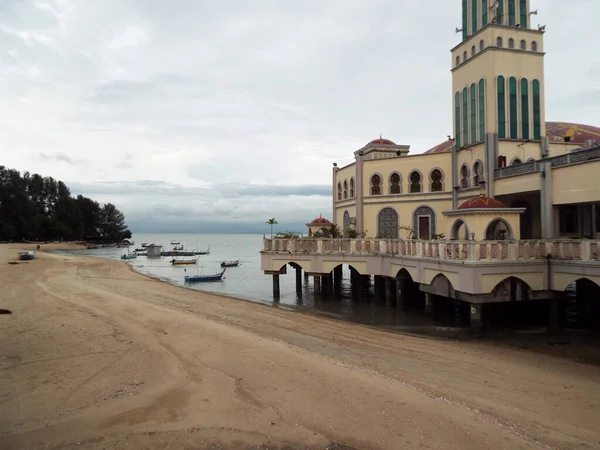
(61, 157)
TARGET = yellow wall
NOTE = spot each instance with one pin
(424, 163)
(339, 215)
(576, 184)
(520, 183)
(345, 173)
(562, 148)
(521, 150)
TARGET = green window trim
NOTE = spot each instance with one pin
(465, 20)
(513, 109)
(481, 109)
(500, 12)
(524, 108)
(501, 91)
(537, 110)
(512, 12)
(473, 16)
(473, 97)
(457, 120)
(484, 13)
(524, 21)
(465, 106)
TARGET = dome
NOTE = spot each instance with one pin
(381, 141)
(481, 202)
(556, 131)
(320, 220)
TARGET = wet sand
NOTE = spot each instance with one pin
(97, 356)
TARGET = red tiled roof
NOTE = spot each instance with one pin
(481, 202)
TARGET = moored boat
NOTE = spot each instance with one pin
(210, 277)
(26, 256)
(129, 256)
(230, 263)
(182, 262)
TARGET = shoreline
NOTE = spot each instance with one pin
(97, 355)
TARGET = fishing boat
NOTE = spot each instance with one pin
(210, 277)
(177, 248)
(182, 262)
(141, 253)
(26, 256)
(129, 256)
(144, 244)
(175, 243)
(203, 252)
(230, 263)
(93, 247)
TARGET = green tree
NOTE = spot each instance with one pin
(113, 223)
(272, 221)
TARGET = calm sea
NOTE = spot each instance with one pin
(247, 281)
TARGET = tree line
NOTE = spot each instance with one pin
(33, 207)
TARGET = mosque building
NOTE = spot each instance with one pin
(536, 177)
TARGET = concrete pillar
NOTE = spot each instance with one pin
(317, 281)
(353, 276)
(401, 294)
(276, 291)
(594, 224)
(305, 276)
(337, 281)
(476, 316)
(298, 279)
(428, 304)
(390, 288)
(546, 201)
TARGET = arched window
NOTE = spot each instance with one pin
(500, 89)
(424, 222)
(395, 183)
(346, 223)
(498, 230)
(499, 42)
(512, 106)
(537, 111)
(345, 189)
(474, 17)
(511, 43)
(464, 176)
(516, 162)
(524, 108)
(375, 185)
(523, 22)
(534, 46)
(523, 44)
(351, 187)
(481, 109)
(465, 112)
(512, 12)
(458, 60)
(484, 13)
(339, 191)
(481, 45)
(436, 180)
(415, 182)
(473, 97)
(387, 224)
(477, 173)
(472, 51)
(465, 19)
(457, 120)
(464, 56)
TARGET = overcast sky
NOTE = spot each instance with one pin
(187, 113)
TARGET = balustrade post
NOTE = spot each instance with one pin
(585, 250)
(319, 246)
(474, 256)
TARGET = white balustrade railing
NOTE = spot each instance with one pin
(473, 251)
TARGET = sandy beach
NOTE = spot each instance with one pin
(97, 356)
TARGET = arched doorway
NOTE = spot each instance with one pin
(498, 230)
(424, 222)
(387, 224)
(460, 231)
(526, 219)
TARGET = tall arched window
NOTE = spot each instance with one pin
(477, 173)
(465, 106)
(484, 13)
(523, 44)
(472, 51)
(524, 20)
(395, 186)
(436, 181)
(465, 19)
(415, 182)
(500, 89)
(537, 110)
(387, 223)
(512, 12)
(375, 185)
(457, 140)
(345, 189)
(473, 97)
(464, 56)
(481, 45)
(511, 43)
(512, 105)
(339, 191)
(481, 109)
(351, 187)
(474, 17)
(499, 42)
(524, 108)
(500, 13)
(464, 176)
(458, 60)
(534, 46)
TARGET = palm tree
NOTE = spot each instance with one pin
(272, 221)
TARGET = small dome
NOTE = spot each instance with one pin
(320, 220)
(381, 141)
(481, 202)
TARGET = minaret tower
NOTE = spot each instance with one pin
(498, 75)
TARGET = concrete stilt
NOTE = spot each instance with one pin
(317, 281)
(476, 316)
(390, 288)
(400, 294)
(337, 281)
(428, 304)
(276, 291)
(298, 279)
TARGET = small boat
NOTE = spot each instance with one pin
(230, 263)
(181, 262)
(93, 246)
(203, 252)
(141, 253)
(211, 277)
(143, 249)
(144, 244)
(175, 243)
(129, 256)
(26, 256)
(177, 248)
